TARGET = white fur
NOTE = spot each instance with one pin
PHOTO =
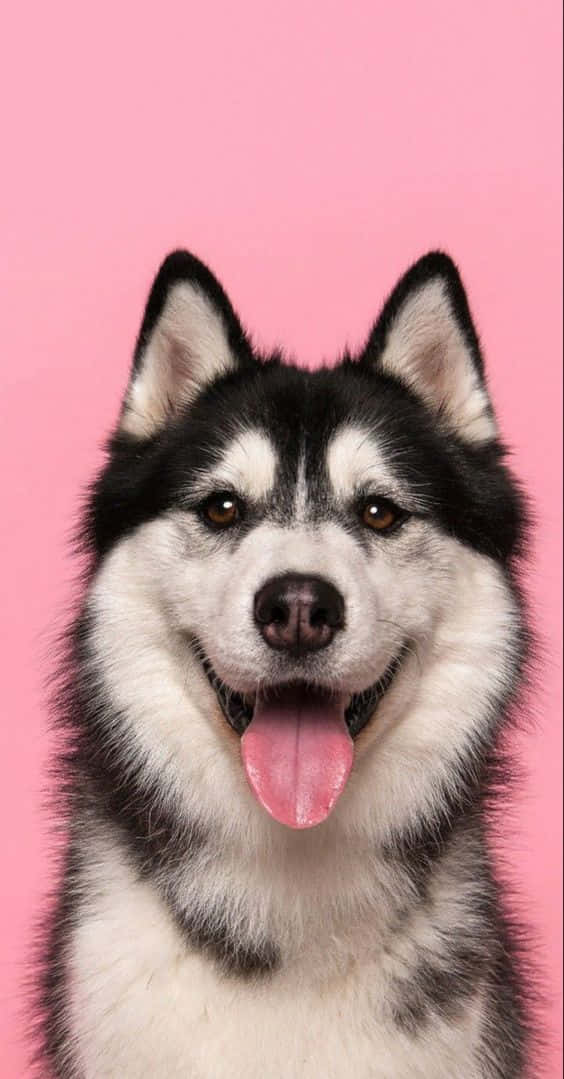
(143, 1006)
(248, 466)
(356, 462)
(426, 348)
(301, 495)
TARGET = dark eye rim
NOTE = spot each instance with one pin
(400, 515)
(219, 496)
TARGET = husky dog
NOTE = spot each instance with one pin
(299, 641)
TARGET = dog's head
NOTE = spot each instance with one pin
(306, 570)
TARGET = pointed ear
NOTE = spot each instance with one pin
(425, 337)
(190, 335)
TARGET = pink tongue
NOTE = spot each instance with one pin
(298, 753)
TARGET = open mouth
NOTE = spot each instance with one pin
(238, 709)
(297, 741)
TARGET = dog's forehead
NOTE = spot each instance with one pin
(315, 462)
(304, 444)
(352, 457)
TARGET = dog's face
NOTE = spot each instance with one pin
(319, 558)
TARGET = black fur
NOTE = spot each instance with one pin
(182, 266)
(54, 1042)
(431, 266)
(468, 491)
(439, 986)
(237, 956)
(461, 960)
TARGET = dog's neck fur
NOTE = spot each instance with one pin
(312, 902)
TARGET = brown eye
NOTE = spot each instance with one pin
(221, 511)
(379, 514)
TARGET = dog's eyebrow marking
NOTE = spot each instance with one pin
(248, 465)
(355, 462)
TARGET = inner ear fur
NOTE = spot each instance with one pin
(190, 336)
(425, 338)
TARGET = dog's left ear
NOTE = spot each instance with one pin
(425, 337)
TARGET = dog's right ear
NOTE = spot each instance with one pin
(190, 336)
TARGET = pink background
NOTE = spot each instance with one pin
(308, 151)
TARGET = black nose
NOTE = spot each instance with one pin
(299, 614)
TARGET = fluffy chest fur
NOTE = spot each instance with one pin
(344, 999)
